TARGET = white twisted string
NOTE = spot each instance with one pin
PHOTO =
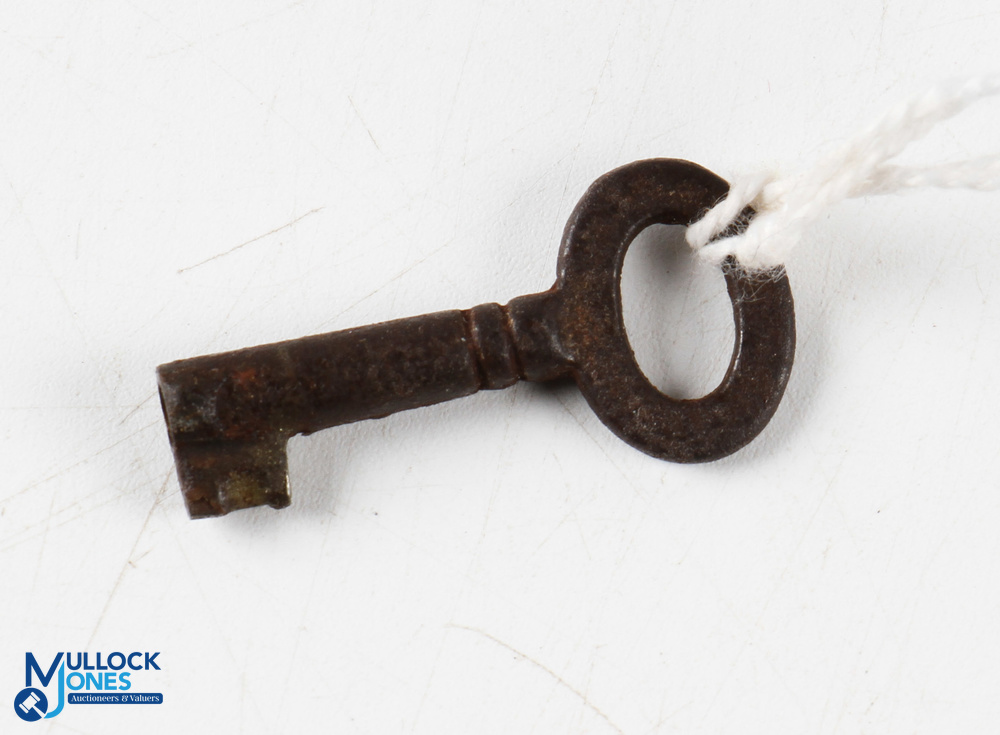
(787, 206)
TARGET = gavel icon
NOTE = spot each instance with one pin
(229, 416)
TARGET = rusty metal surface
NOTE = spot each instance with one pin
(229, 416)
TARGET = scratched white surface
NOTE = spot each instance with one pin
(182, 178)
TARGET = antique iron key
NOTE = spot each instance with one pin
(229, 416)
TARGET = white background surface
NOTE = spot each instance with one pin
(183, 178)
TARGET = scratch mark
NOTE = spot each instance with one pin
(63, 471)
(221, 630)
(571, 515)
(363, 123)
(139, 405)
(748, 642)
(529, 190)
(586, 432)
(256, 97)
(252, 240)
(458, 84)
(306, 607)
(45, 541)
(881, 32)
(430, 677)
(951, 22)
(188, 45)
(236, 301)
(79, 503)
(667, 27)
(131, 553)
(56, 527)
(583, 698)
(387, 283)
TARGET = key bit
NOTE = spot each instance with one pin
(230, 415)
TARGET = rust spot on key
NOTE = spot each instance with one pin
(229, 416)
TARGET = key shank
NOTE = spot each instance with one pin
(230, 415)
